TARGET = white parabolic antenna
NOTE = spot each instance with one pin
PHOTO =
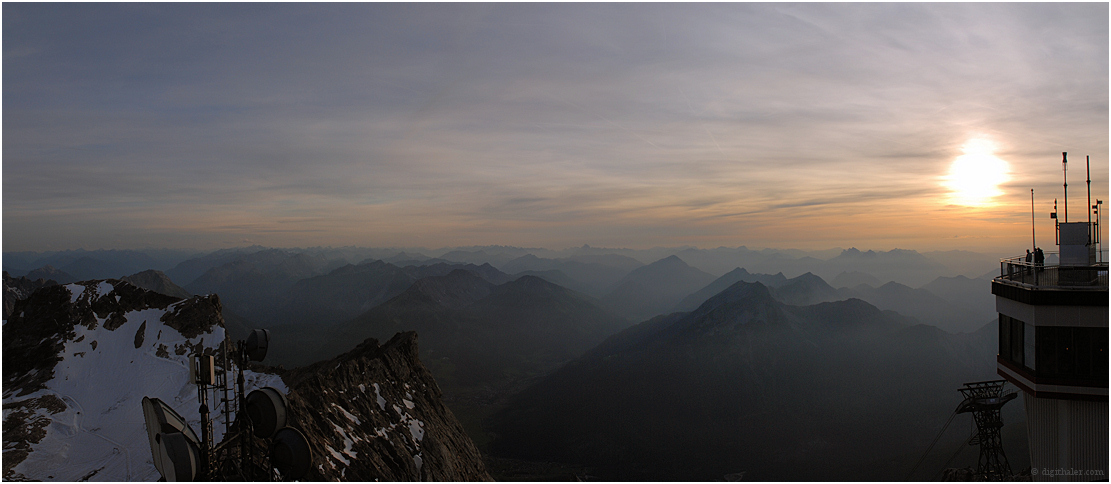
(174, 446)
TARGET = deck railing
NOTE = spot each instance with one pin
(1017, 271)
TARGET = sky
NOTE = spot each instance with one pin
(879, 126)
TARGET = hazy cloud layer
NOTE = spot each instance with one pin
(807, 125)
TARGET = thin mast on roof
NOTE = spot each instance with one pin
(1033, 238)
(1065, 170)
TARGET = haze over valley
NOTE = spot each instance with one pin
(504, 333)
(516, 241)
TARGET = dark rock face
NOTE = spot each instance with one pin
(375, 414)
(21, 288)
(52, 338)
(194, 316)
(25, 426)
(41, 324)
(157, 281)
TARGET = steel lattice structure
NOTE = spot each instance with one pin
(984, 401)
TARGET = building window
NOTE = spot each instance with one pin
(1029, 346)
(1011, 339)
(1072, 353)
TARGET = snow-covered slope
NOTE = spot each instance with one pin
(77, 415)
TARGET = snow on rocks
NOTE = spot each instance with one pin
(86, 421)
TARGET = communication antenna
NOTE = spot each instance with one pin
(1097, 230)
(263, 414)
(984, 401)
(1088, 168)
(1033, 238)
(173, 445)
(1056, 226)
(1065, 170)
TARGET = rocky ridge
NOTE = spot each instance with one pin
(375, 413)
(21, 288)
(78, 359)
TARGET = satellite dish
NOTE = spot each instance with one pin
(267, 409)
(290, 453)
(179, 457)
(173, 444)
(257, 344)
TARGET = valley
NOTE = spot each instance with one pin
(650, 369)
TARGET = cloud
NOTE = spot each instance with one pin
(537, 123)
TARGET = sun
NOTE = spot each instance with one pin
(975, 176)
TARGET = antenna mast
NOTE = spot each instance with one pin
(1033, 238)
(1065, 170)
(1088, 167)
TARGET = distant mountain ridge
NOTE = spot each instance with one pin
(473, 331)
(691, 302)
(50, 273)
(595, 274)
(746, 383)
(655, 288)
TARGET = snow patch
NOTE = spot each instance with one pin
(336, 455)
(104, 288)
(381, 401)
(416, 429)
(348, 444)
(348, 414)
(102, 425)
(75, 292)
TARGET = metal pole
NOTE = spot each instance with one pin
(1065, 170)
(241, 416)
(206, 441)
(1033, 238)
(1088, 167)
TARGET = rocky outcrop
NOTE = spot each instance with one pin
(157, 281)
(19, 289)
(35, 335)
(375, 414)
(78, 359)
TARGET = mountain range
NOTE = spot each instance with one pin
(748, 385)
(538, 356)
(655, 288)
(476, 333)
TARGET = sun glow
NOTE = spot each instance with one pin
(975, 176)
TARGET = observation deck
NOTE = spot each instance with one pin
(1053, 327)
(1051, 283)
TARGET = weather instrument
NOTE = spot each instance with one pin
(262, 415)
